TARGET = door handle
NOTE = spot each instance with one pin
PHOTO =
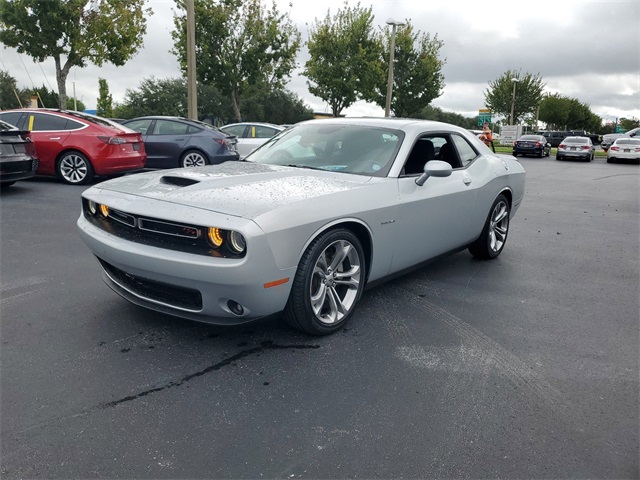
(467, 181)
(54, 138)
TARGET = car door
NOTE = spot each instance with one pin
(436, 218)
(165, 143)
(256, 135)
(49, 133)
(143, 126)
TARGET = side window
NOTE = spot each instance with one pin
(425, 149)
(169, 127)
(465, 151)
(73, 125)
(264, 132)
(11, 117)
(39, 122)
(236, 130)
(141, 126)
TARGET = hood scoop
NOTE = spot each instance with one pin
(178, 181)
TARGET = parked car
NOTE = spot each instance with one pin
(17, 155)
(532, 145)
(624, 149)
(303, 224)
(609, 138)
(173, 142)
(579, 148)
(554, 137)
(251, 135)
(595, 138)
(76, 146)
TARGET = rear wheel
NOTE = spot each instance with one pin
(328, 283)
(193, 158)
(75, 168)
(494, 234)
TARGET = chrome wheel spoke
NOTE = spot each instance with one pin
(342, 252)
(350, 278)
(337, 309)
(318, 299)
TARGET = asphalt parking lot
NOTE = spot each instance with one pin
(522, 367)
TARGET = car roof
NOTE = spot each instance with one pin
(272, 125)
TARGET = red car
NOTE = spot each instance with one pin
(76, 146)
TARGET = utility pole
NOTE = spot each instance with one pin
(75, 102)
(192, 92)
(392, 49)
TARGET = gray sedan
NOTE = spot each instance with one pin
(312, 217)
(576, 148)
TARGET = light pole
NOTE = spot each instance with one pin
(394, 24)
(513, 99)
(192, 90)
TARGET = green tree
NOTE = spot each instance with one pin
(565, 113)
(345, 58)
(73, 32)
(154, 97)
(629, 123)
(105, 99)
(417, 72)
(240, 44)
(10, 95)
(437, 114)
(498, 97)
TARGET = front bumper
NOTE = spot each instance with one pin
(170, 281)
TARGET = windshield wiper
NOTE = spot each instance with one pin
(303, 166)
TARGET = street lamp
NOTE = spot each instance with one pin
(513, 99)
(394, 24)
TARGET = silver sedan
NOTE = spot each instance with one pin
(312, 217)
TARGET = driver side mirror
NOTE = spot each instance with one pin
(434, 168)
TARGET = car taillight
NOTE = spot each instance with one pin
(562, 145)
(637, 149)
(615, 149)
(515, 143)
(538, 144)
(112, 140)
(586, 147)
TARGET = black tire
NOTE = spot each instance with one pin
(541, 152)
(74, 168)
(493, 238)
(193, 158)
(6, 185)
(319, 317)
(610, 160)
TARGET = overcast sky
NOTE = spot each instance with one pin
(589, 50)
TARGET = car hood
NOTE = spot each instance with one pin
(241, 189)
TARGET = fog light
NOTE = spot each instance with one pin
(235, 307)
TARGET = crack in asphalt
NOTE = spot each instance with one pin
(266, 345)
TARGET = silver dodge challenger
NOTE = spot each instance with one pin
(304, 223)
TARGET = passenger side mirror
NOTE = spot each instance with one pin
(434, 168)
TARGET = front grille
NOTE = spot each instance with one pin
(159, 233)
(185, 298)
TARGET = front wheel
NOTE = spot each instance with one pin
(494, 234)
(75, 168)
(193, 159)
(328, 283)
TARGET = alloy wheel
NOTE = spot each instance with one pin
(335, 282)
(498, 226)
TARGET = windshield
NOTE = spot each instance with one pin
(575, 140)
(358, 149)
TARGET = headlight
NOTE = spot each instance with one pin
(104, 210)
(92, 207)
(237, 242)
(214, 236)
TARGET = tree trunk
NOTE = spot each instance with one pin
(61, 78)
(235, 105)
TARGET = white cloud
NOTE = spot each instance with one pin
(584, 49)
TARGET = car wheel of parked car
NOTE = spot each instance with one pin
(610, 160)
(541, 152)
(495, 231)
(193, 158)
(75, 168)
(328, 283)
